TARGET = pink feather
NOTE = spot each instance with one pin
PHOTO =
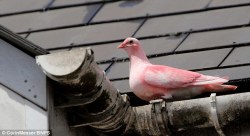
(150, 81)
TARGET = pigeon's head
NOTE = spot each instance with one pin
(129, 43)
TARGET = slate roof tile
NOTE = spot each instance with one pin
(161, 45)
(189, 61)
(151, 46)
(216, 38)
(218, 27)
(122, 86)
(49, 19)
(136, 8)
(233, 73)
(119, 70)
(193, 60)
(202, 20)
(23, 35)
(85, 34)
(103, 66)
(13, 6)
(107, 51)
(216, 3)
(57, 3)
(240, 55)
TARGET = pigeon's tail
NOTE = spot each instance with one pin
(204, 80)
(219, 88)
(214, 84)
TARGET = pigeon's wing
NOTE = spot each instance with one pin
(168, 77)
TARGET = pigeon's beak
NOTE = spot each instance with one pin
(122, 45)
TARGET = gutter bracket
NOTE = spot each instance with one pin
(214, 115)
(160, 116)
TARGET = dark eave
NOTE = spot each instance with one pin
(21, 43)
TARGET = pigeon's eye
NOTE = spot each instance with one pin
(131, 41)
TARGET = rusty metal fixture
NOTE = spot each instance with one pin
(151, 119)
(231, 110)
(231, 116)
(90, 99)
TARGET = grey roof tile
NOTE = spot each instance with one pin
(119, 70)
(216, 38)
(103, 66)
(122, 86)
(22, 25)
(107, 51)
(70, 2)
(151, 46)
(195, 21)
(23, 35)
(194, 60)
(233, 73)
(128, 9)
(49, 19)
(216, 3)
(85, 34)
(153, 26)
(161, 45)
(10, 6)
(239, 55)
(56, 38)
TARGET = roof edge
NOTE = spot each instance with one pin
(21, 43)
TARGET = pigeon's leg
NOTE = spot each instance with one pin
(167, 97)
(155, 101)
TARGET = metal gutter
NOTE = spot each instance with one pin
(89, 99)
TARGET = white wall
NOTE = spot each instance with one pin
(18, 113)
(20, 72)
(22, 91)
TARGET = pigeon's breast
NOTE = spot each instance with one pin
(142, 89)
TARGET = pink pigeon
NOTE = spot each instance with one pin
(150, 82)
